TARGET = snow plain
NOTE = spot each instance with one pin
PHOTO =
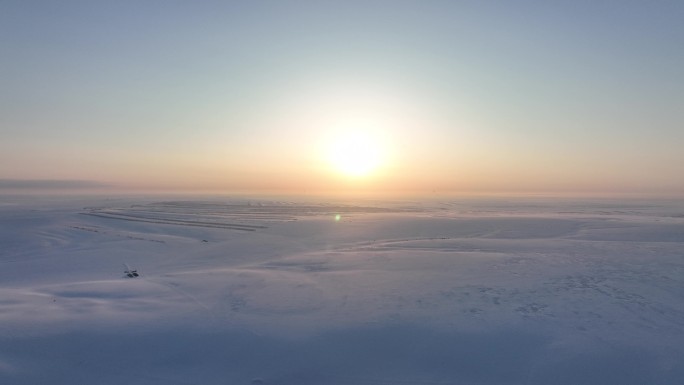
(264, 291)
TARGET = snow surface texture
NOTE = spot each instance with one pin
(515, 291)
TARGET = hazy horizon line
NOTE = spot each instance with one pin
(66, 186)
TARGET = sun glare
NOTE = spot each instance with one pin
(355, 154)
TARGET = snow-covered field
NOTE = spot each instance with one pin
(264, 291)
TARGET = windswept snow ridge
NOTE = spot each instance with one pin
(223, 215)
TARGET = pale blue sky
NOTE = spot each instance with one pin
(468, 95)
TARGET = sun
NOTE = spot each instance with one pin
(355, 153)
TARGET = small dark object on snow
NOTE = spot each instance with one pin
(131, 273)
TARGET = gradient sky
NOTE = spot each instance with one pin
(472, 96)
